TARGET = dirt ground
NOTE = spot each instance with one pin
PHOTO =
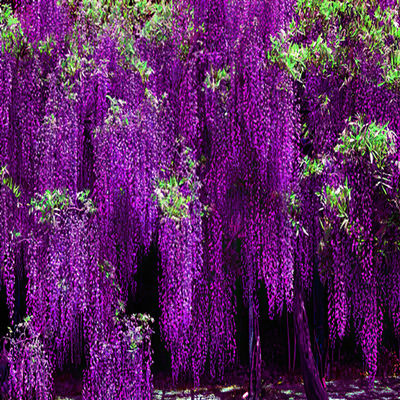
(280, 388)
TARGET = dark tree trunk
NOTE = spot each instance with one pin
(312, 382)
(254, 342)
(319, 316)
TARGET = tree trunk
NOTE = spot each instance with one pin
(254, 343)
(312, 382)
(319, 321)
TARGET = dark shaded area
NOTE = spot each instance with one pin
(272, 332)
(86, 173)
(4, 318)
(146, 300)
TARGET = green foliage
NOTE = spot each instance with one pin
(12, 36)
(336, 200)
(185, 44)
(86, 201)
(169, 193)
(214, 79)
(144, 70)
(126, 49)
(184, 50)
(62, 285)
(74, 63)
(296, 58)
(139, 10)
(325, 100)
(346, 23)
(170, 199)
(294, 211)
(155, 101)
(373, 139)
(159, 26)
(128, 53)
(94, 11)
(188, 34)
(52, 203)
(13, 40)
(293, 203)
(136, 326)
(115, 111)
(70, 65)
(47, 45)
(312, 166)
(7, 180)
(93, 19)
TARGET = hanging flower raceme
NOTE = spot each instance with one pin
(31, 364)
(180, 246)
(124, 169)
(219, 270)
(57, 145)
(120, 363)
(119, 345)
(10, 247)
(60, 259)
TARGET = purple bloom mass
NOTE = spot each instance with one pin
(249, 142)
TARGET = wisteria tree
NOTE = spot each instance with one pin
(246, 140)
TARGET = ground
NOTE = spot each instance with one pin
(337, 390)
(280, 388)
